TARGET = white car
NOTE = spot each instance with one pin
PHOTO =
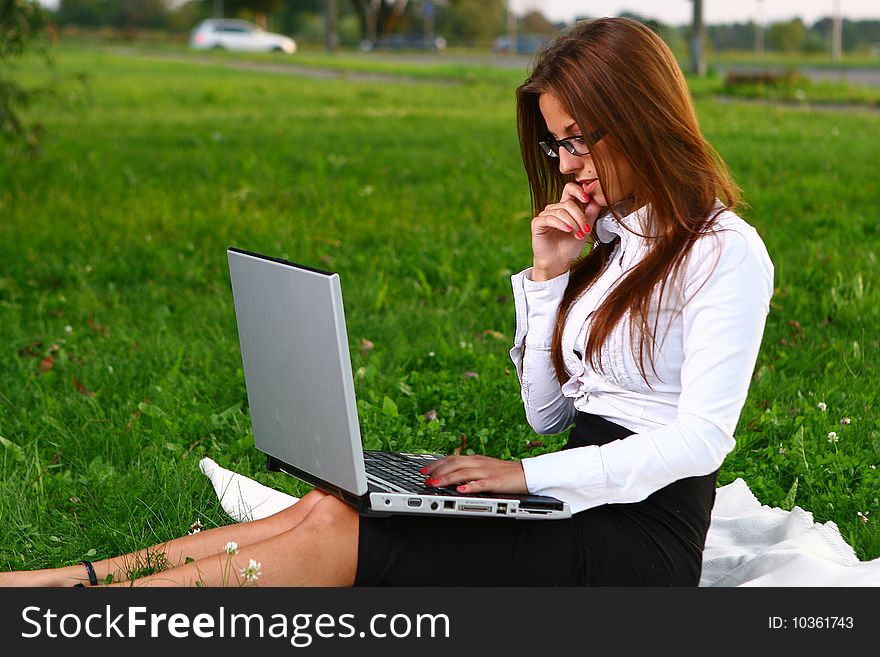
(238, 35)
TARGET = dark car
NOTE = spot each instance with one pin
(526, 44)
(405, 42)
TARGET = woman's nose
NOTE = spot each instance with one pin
(569, 163)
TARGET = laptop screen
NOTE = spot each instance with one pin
(297, 367)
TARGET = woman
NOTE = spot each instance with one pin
(646, 345)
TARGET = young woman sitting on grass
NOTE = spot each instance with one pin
(637, 328)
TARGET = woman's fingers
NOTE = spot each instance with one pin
(471, 474)
(581, 197)
(574, 191)
(569, 215)
(545, 222)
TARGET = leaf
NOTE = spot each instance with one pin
(799, 445)
(81, 388)
(16, 450)
(137, 413)
(405, 388)
(389, 407)
(381, 296)
(788, 502)
(30, 351)
(495, 334)
(98, 328)
(422, 284)
(220, 419)
(47, 363)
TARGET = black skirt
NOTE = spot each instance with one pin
(656, 542)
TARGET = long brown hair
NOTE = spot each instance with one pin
(616, 75)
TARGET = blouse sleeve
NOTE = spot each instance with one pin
(548, 411)
(728, 288)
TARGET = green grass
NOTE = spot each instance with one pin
(112, 263)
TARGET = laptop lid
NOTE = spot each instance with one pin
(291, 328)
(300, 387)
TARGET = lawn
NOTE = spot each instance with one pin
(120, 369)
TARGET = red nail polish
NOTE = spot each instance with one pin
(585, 197)
(568, 228)
(424, 470)
(579, 234)
(586, 229)
(460, 489)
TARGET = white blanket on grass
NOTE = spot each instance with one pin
(748, 544)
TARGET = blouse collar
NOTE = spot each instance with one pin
(630, 226)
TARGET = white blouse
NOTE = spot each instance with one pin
(709, 333)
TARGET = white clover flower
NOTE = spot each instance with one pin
(863, 516)
(231, 547)
(252, 572)
(196, 527)
(822, 406)
(832, 437)
(845, 420)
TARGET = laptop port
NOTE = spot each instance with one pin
(414, 502)
(502, 508)
(448, 504)
(475, 507)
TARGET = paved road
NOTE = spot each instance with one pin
(865, 77)
(857, 76)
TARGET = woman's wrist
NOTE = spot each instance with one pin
(540, 274)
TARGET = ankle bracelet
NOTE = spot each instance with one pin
(90, 569)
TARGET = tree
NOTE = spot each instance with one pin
(379, 17)
(474, 22)
(23, 27)
(534, 22)
(698, 36)
(123, 14)
(787, 36)
(259, 9)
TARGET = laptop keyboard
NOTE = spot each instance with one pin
(403, 471)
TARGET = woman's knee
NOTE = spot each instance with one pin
(293, 514)
(331, 512)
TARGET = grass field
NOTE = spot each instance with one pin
(120, 369)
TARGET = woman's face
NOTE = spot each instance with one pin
(616, 185)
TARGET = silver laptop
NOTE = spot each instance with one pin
(300, 388)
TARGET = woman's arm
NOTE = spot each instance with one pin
(728, 299)
(548, 411)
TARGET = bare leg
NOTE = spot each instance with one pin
(320, 550)
(174, 552)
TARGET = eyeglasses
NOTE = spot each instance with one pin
(577, 145)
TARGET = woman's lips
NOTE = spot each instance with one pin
(589, 185)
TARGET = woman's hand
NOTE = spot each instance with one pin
(560, 231)
(477, 474)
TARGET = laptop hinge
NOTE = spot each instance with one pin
(360, 502)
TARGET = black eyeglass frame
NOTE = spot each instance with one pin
(550, 146)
